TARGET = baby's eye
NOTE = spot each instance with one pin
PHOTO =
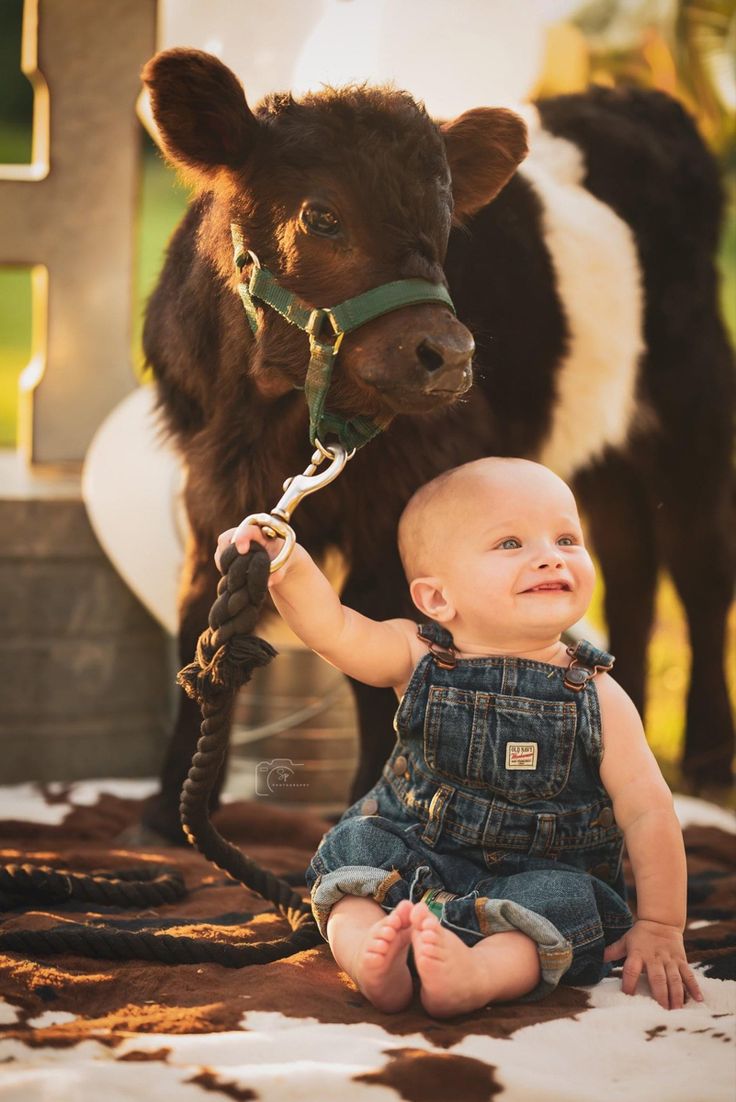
(567, 541)
(508, 545)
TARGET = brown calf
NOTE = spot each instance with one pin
(349, 189)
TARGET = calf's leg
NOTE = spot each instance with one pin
(697, 536)
(695, 519)
(619, 516)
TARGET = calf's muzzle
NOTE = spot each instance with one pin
(416, 360)
(262, 287)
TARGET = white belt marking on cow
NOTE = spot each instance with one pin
(598, 275)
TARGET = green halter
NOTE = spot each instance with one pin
(326, 328)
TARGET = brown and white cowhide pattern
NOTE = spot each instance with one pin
(73, 1028)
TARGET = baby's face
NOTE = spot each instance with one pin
(517, 565)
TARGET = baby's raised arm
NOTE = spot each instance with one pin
(379, 653)
(643, 809)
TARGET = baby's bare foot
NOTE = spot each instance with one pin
(380, 969)
(446, 966)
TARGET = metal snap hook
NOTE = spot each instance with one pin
(276, 523)
(311, 480)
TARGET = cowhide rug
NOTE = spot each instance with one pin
(75, 1029)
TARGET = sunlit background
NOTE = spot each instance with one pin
(453, 55)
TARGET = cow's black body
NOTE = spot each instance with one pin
(664, 499)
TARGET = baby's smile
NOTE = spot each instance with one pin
(549, 587)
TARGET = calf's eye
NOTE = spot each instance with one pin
(320, 220)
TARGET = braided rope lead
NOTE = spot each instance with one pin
(227, 654)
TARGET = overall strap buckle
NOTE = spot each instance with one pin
(443, 657)
(579, 672)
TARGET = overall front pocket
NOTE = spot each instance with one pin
(515, 746)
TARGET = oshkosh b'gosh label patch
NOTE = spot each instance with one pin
(521, 755)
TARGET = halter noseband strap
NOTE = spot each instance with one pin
(326, 327)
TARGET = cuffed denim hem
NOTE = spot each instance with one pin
(361, 880)
(496, 916)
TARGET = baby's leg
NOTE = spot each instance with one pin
(457, 978)
(372, 946)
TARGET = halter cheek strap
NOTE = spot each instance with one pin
(326, 327)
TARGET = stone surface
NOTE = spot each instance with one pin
(87, 673)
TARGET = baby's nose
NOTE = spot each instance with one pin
(549, 560)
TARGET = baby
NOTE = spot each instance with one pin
(486, 861)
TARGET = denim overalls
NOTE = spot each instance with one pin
(491, 808)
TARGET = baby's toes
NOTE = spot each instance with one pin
(429, 946)
(419, 912)
(397, 918)
(402, 913)
(427, 938)
(423, 920)
(389, 932)
(384, 935)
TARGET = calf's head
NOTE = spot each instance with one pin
(335, 194)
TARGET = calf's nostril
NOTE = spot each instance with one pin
(429, 356)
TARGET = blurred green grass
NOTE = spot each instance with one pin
(161, 203)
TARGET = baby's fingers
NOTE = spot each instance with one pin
(658, 982)
(674, 985)
(616, 950)
(669, 980)
(632, 969)
(691, 983)
(242, 537)
(223, 540)
(245, 534)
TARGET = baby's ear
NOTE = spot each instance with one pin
(429, 597)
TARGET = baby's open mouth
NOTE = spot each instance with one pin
(549, 587)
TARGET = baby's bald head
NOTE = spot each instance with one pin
(439, 510)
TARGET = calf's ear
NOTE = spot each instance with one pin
(484, 148)
(200, 110)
